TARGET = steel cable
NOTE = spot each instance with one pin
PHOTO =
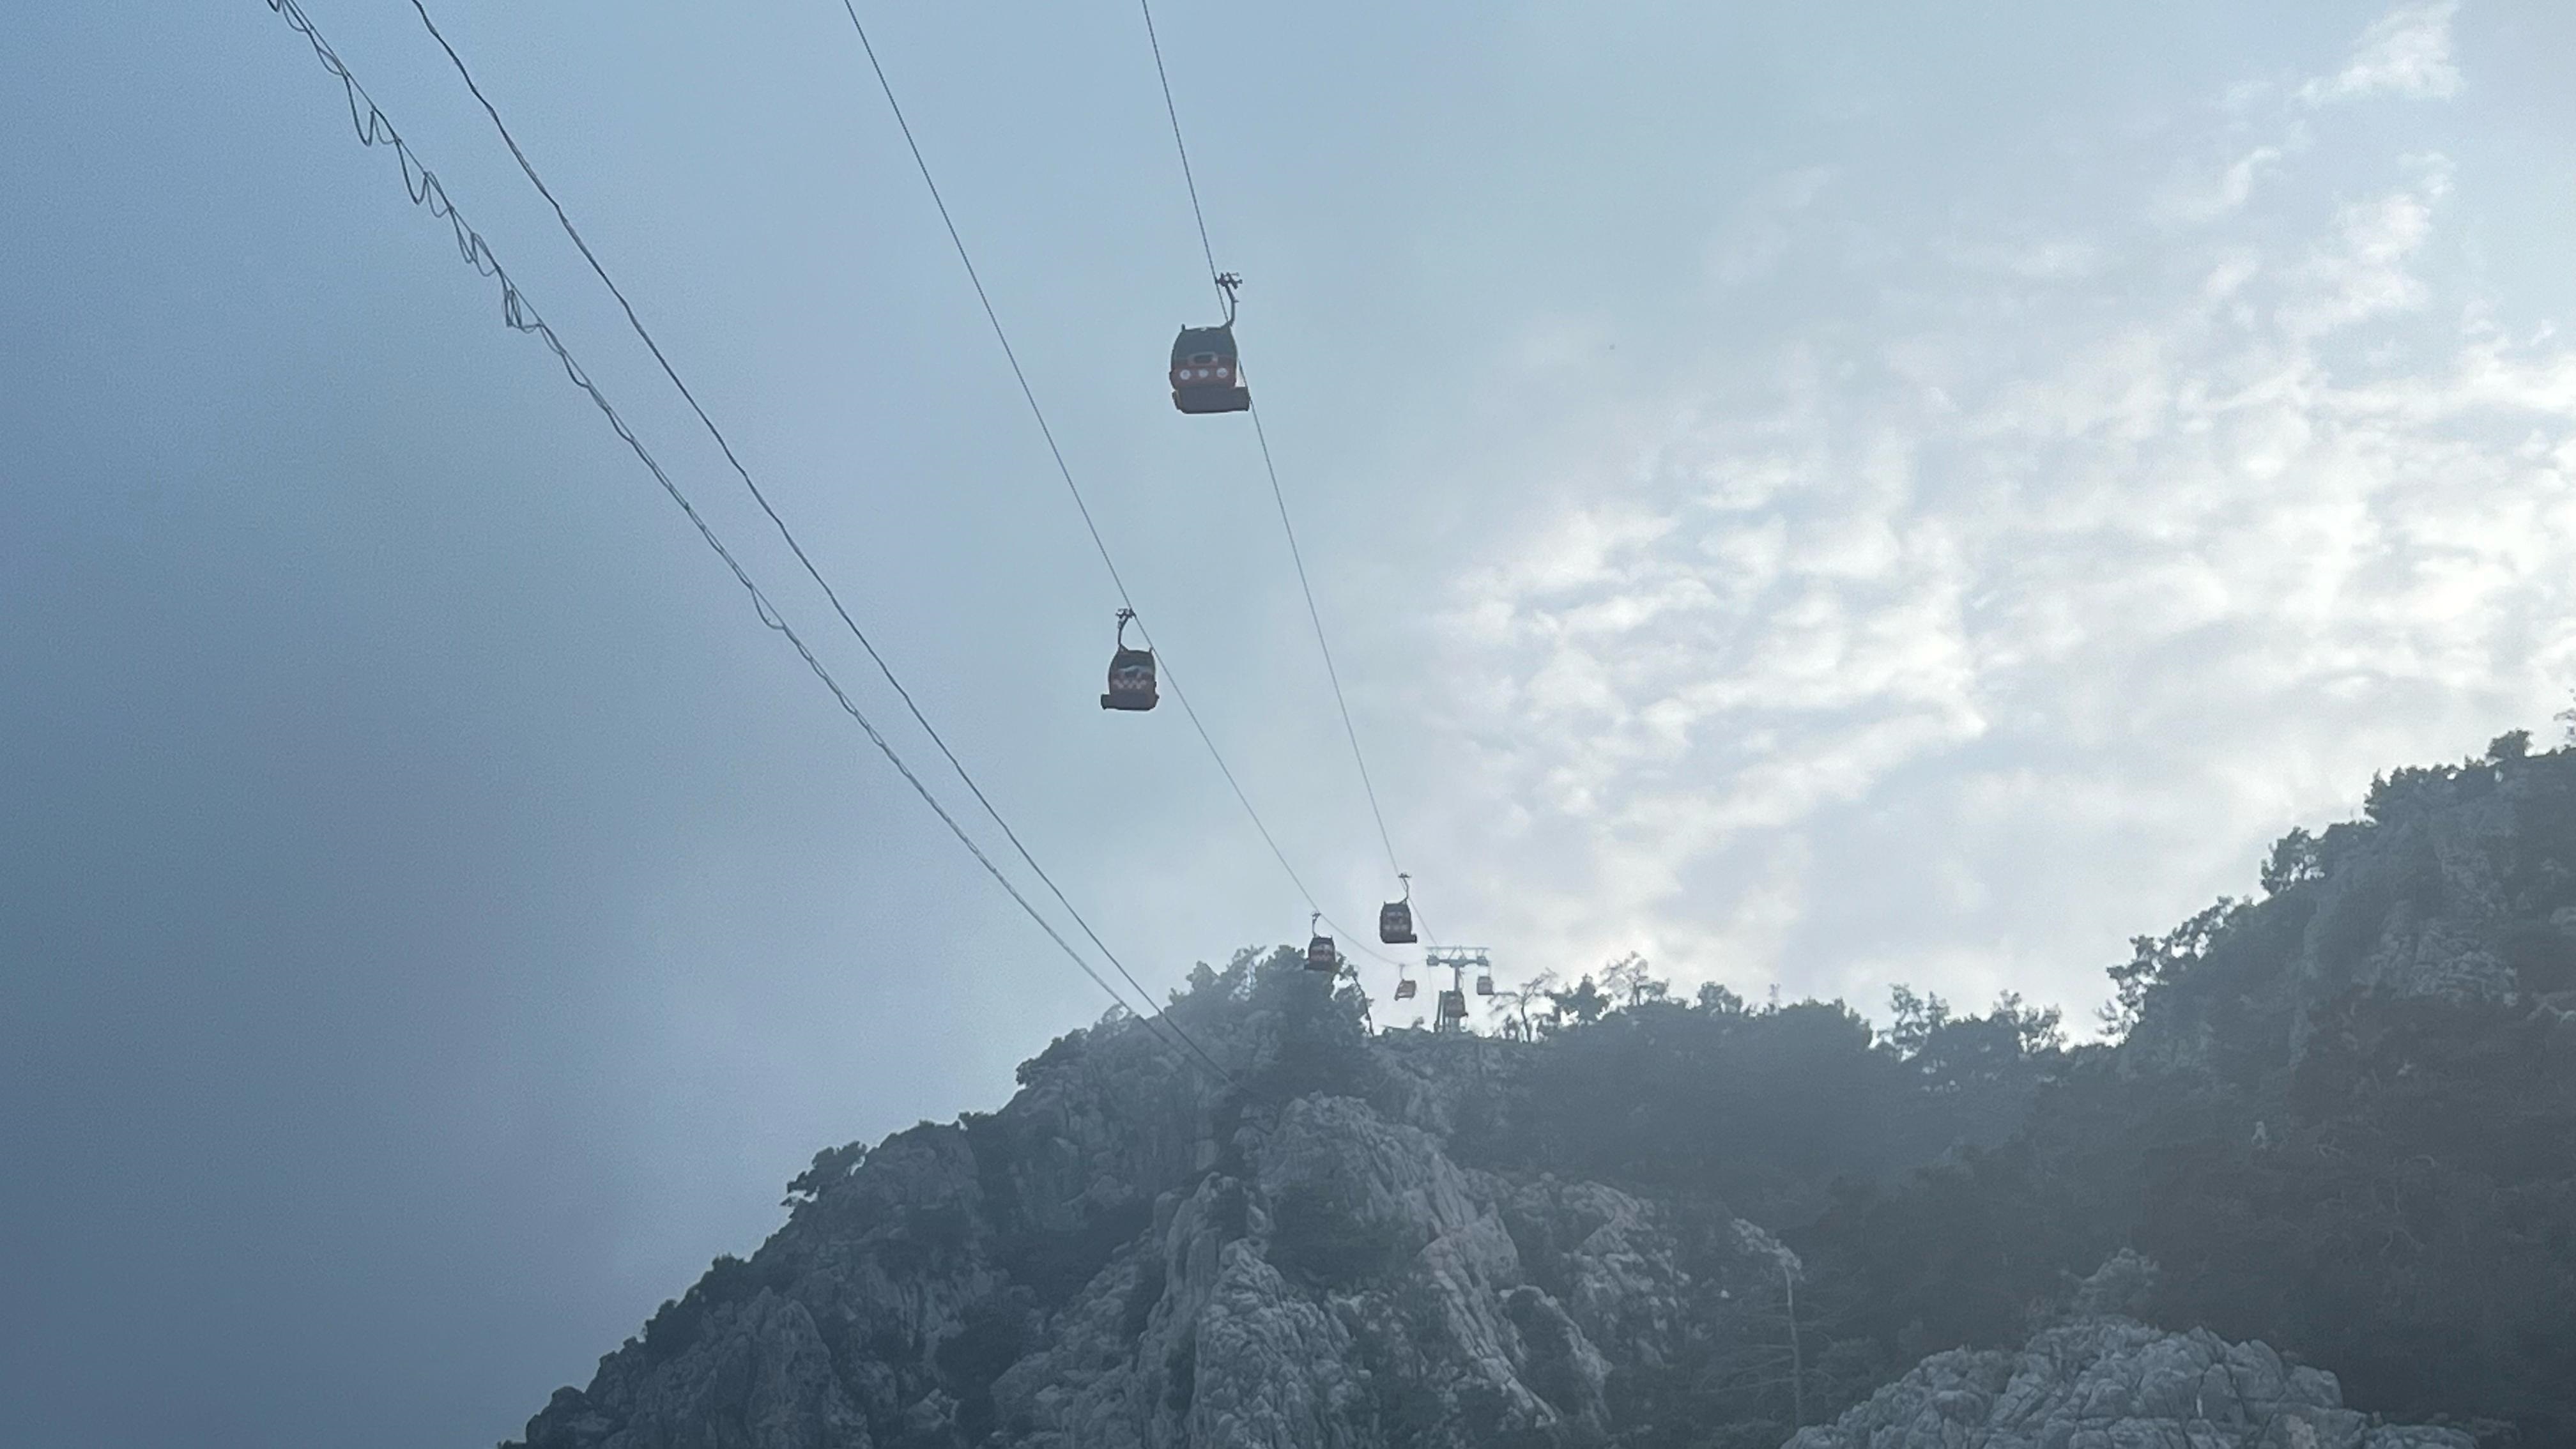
(529, 169)
(1278, 495)
(1065, 471)
(374, 128)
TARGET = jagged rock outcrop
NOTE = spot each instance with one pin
(2115, 1383)
(759, 1377)
(1615, 1261)
(2460, 888)
(1126, 1257)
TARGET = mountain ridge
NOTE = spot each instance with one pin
(1711, 1224)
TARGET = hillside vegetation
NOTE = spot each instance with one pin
(2334, 1129)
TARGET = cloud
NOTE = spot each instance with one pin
(2012, 614)
(2406, 52)
(2196, 199)
(2362, 272)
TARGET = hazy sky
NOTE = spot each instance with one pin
(1819, 495)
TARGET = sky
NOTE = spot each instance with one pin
(1820, 496)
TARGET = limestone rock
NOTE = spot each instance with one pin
(757, 1377)
(2114, 1383)
(2427, 903)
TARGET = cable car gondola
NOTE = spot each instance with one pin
(1131, 673)
(1321, 954)
(1207, 373)
(1405, 986)
(1395, 918)
(1484, 981)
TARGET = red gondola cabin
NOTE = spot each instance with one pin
(1323, 955)
(1131, 673)
(1207, 377)
(1395, 923)
(1395, 918)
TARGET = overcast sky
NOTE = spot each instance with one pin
(1823, 496)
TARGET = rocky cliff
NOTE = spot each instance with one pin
(2458, 888)
(1132, 1253)
(2343, 1119)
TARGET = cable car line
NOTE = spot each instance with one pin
(1187, 179)
(1271, 468)
(375, 128)
(1065, 469)
(1009, 353)
(1316, 617)
(634, 321)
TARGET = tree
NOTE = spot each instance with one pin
(2041, 1029)
(1631, 977)
(1716, 1000)
(2408, 791)
(1981, 1070)
(2156, 961)
(1202, 977)
(1584, 1002)
(1913, 1019)
(1514, 1002)
(2294, 859)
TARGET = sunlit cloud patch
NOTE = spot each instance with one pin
(2024, 600)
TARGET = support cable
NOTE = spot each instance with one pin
(374, 128)
(1278, 495)
(1188, 179)
(1315, 616)
(1065, 470)
(529, 169)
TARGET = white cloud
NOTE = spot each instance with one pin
(2015, 615)
(2405, 53)
(2194, 199)
(2362, 272)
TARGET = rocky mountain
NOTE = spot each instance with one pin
(1134, 1253)
(2342, 1120)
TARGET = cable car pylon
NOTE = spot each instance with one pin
(1451, 1013)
